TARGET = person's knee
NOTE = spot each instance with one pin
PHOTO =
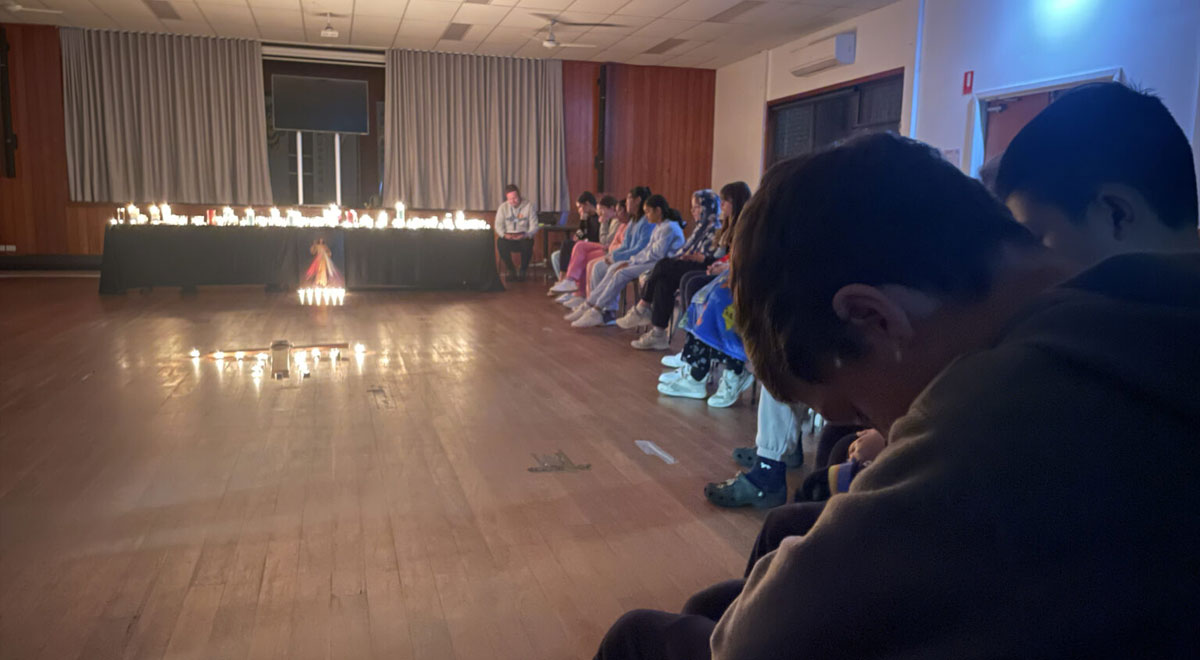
(627, 632)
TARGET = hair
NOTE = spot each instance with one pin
(1098, 134)
(608, 202)
(511, 188)
(659, 202)
(879, 209)
(643, 194)
(586, 197)
(738, 193)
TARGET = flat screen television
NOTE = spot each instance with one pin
(322, 105)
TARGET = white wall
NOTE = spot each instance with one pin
(739, 121)
(1017, 42)
(886, 40)
(1006, 43)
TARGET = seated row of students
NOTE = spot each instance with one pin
(1020, 370)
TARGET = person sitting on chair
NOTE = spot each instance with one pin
(516, 225)
(589, 230)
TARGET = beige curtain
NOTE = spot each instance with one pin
(458, 128)
(157, 117)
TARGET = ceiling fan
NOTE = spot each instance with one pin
(17, 8)
(551, 42)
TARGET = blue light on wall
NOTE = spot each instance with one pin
(1055, 19)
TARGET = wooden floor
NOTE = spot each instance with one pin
(155, 506)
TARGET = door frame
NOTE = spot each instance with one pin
(977, 107)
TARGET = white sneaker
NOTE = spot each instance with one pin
(565, 286)
(673, 375)
(575, 302)
(636, 316)
(685, 386)
(563, 298)
(590, 318)
(731, 387)
(652, 340)
(673, 361)
(575, 313)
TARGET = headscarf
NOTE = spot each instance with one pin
(701, 240)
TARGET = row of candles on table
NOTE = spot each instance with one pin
(331, 216)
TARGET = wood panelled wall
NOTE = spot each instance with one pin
(33, 206)
(581, 123)
(659, 132)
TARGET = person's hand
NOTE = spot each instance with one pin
(867, 446)
(608, 259)
(692, 257)
(514, 236)
(718, 267)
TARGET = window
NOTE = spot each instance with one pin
(323, 154)
(800, 126)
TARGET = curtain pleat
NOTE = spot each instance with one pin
(458, 128)
(157, 117)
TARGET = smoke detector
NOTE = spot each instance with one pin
(329, 32)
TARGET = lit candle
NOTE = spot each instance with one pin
(112, 221)
(165, 208)
(333, 354)
(239, 356)
(316, 353)
(195, 353)
(219, 355)
(359, 349)
(300, 292)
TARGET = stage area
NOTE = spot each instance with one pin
(155, 505)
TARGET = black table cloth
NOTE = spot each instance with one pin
(147, 256)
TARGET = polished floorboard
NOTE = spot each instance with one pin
(153, 506)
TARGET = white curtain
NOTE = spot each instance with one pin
(158, 117)
(458, 128)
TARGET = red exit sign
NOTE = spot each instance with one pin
(968, 82)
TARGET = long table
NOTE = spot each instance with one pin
(143, 256)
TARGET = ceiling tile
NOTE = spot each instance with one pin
(413, 42)
(707, 32)
(319, 7)
(652, 8)
(597, 6)
(190, 27)
(377, 7)
(544, 4)
(665, 27)
(423, 29)
(700, 10)
(487, 48)
(602, 36)
(278, 18)
(524, 18)
(373, 30)
(584, 17)
(503, 3)
(632, 45)
(507, 35)
(455, 46)
(473, 14)
(430, 10)
(294, 5)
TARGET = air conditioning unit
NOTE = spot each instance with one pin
(823, 54)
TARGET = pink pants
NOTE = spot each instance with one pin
(581, 254)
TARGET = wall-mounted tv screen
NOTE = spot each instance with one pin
(323, 105)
